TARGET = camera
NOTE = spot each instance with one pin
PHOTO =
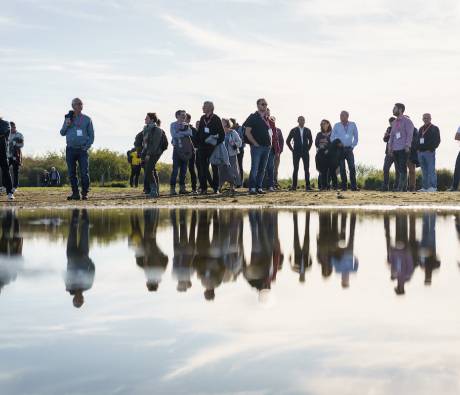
(70, 115)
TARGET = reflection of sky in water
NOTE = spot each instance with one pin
(310, 336)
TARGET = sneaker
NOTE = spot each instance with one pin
(271, 189)
(452, 190)
(252, 191)
(10, 196)
(431, 189)
(260, 191)
(422, 190)
(308, 189)
(173, 192)
(182, 190)
(84, 197)
(203, 192)
(13, 190)
(73, 197)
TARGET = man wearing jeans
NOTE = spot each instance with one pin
(347, 133)
(259, 135)
(428, 140)
(400, 142)
(179, 129)
(79, 133)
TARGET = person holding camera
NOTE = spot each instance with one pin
(233, 143)
(6, 177)
(79, 132)
(15, 144)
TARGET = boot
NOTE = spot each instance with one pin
(172, 191)
(182, 190)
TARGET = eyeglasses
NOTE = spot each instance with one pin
(263, 104)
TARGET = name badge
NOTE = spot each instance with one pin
(422, 140)
(206, 130)
(398, 135)
(79, 133)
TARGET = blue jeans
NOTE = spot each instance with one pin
(350, 159)
(179, 166)
(427, 161)
(259, 158)
(270, 170)
(72, 156)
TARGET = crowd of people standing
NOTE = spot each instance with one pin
(212, 151)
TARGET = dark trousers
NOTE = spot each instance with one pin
(134, 177)
(388, 162)
(192, 163)
(306, 167)
(240, 157)
(6, 177)
(400, 158)
(80, 156)
(14, 165)
(349, 157)
(179, 166)
(456, 180)
(150, 174)
(205, 175)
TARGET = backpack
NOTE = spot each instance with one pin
(185, 148)
(164, 141)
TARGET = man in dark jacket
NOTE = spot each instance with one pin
(389, 160)
(303, 141)
(210, 125)
(428, 141)
(6, 177)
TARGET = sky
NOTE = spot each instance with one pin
(306, 57)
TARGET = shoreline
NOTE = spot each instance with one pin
(127, 198)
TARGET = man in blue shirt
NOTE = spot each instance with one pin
(347, 133)
(79, 133)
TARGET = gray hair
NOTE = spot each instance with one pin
(76, 100)
(210, 103)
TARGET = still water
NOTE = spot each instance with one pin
(229, 302)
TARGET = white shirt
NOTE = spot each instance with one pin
(301, 134)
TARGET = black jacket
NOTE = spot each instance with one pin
(432, 138)
(300, 148)
(215, 127)
(4, 134)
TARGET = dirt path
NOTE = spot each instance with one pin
(126, 197)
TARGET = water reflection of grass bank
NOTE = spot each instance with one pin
(128, 197)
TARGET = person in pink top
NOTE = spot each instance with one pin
(399, 145)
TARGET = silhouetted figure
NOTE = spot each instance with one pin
(326, 241)
(80, 268)
(401, 255)
(184, 248)
(260, 271)
(208, 259)
(343, 259)
(231, 243)
(10, 248)
(302, 258)
(150, 257)
(427, 252)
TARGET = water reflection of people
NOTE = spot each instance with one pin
(10, 248)
(231, 243)
(302, 258)
(184, 248)
(80, 268)
(333, 251)
(261, 272)
(208, 259)
(149, 256)
(401, 256)
(427, 252)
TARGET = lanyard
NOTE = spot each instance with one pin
(426, 129)
(79, 121)
(207, 122)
